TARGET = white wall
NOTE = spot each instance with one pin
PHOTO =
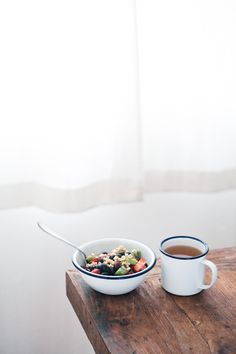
(35, 315)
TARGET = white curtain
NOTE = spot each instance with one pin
(69, 133)
(104, 100)
(187, 56)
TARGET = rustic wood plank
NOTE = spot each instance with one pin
(83, 313)
(151, 321)
(213, 312)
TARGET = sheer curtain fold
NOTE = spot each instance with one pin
(70, 135)
(102, 101)
(187, 52)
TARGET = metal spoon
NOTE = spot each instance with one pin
(83, 256)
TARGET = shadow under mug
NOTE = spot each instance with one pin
(184, 276)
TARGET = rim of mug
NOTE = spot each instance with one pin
(184, 258)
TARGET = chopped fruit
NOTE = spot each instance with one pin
(116, 266)
(120, 261)
(131, 260)
(141, 265)
(136, 254)
(89, 259)
(121, 271)
(96, 271)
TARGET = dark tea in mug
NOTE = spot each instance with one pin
(183, 251)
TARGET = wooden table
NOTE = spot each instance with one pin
(151, 321)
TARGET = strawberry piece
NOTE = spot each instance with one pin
(96, 271)
(141, 265)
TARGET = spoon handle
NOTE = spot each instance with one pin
(53, 234)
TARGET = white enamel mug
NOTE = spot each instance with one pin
(185, 275)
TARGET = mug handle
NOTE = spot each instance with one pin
(213, 269)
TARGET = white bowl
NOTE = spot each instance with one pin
(114, 285)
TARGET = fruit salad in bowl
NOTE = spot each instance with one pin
(115, 266)
(117, 262)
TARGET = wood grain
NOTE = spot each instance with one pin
(151, 321)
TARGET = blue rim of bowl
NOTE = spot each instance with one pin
(115, 277)
(184, 237)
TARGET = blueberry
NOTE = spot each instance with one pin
(104, 268)
(112, 270)
(116, 266)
